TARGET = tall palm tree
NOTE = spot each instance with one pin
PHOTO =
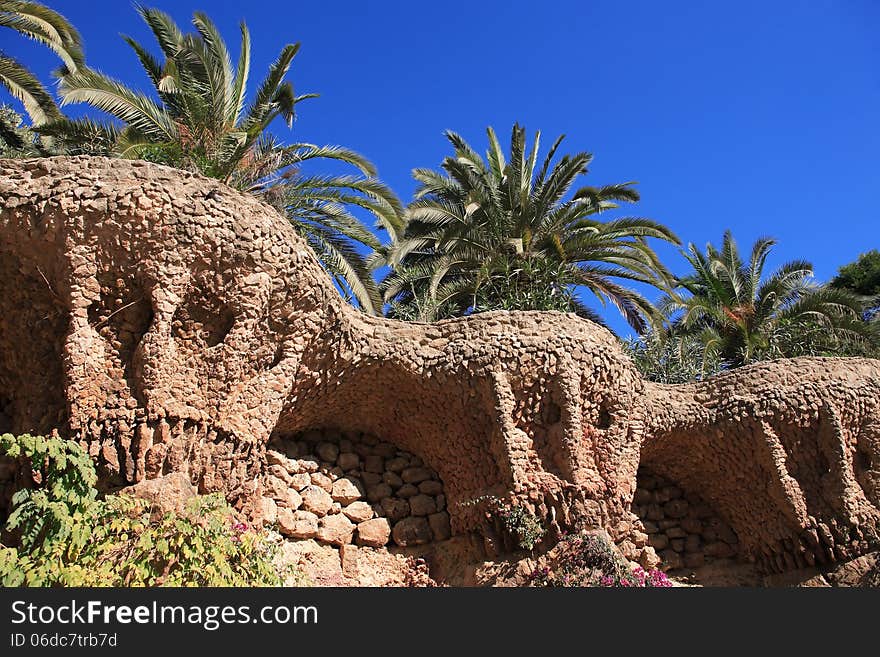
(741, 315)
(498, 233)
(51, 29)
(200, 120)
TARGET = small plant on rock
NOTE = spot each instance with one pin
(523, 526)
(589, 559)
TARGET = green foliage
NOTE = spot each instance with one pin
(862, 276)
(49, 28)
(69, 537)
(482, 231)
(742, 316)
(201, 122)
(523, 526)
(664, 357)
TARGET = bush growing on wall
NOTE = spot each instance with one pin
(67, 536)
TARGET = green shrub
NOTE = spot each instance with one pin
(523, 526)
(70, 537)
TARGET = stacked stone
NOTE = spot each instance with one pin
(682, 528)
(352, 488)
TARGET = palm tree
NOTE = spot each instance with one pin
(740, 315)
(50, 28)
(494, 233)
(201, 121)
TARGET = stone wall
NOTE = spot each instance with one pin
(349, 487)
(171, 324)
(682, 528)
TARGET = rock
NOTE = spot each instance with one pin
(336, 507)
(395, 509)
(373, 533)
(268, 511)
(671, 560)
(658, 541)
(327, 452)
(439, 523)
(385, 450)
(407, 490)
(348, 461)
(392, 479)
(276, 458)
(398, 464)
(323, 481)
(378, 491)
(358, 512)
(335, 530)
(440, 500)
(300, 481)
(348, 556)
(411, 531)
(297, 524)
(371, 478)
(676, 508)
(650, 527)
(275, 487)
(290, 500)
(415, 475)
(431, 487)
(167, 494)
(692, 543)
(373, 463)
(643, 496)
(422, 505)
(348, 490)
(307, 465)
(692, 525)
(694, 559)
(316, 500)
(677, 544)
(719, 549)
(676, 532)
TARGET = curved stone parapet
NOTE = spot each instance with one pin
(172, 324)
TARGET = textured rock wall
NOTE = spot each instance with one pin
(172, 324)
(342, 488)
(683, 529)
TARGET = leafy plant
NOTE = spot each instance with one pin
(70, 537)
(665, 357)
(48, 27)
(200, 121)
(490, 233)
(588, 559)
(742, 316)
(523, 526)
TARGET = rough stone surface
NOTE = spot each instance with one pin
(335, 529)
(168, 493)
(412, 531)
(373, 533)
(172, 325)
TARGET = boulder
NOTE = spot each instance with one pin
(336, 529)
(411, 531)
(316, 500)
(345, 491)
(373, 533)
(358, 511)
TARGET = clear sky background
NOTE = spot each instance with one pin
(757, 116)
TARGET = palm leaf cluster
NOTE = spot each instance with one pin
(50, 29)
(198, 118)
(484, 231)
(740, 315)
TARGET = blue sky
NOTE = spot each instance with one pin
(761, 117)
